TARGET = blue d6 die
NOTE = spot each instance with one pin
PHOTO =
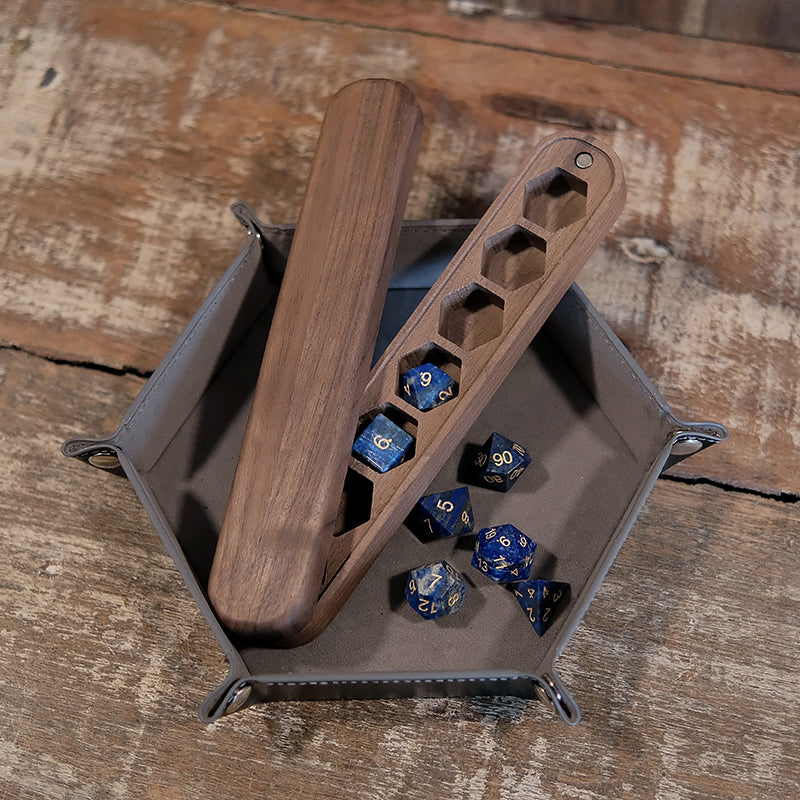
(427, 386)
(446, 513)
(500, 462)
(504, 554)
(383, 444)
(435, 590)
(539, 599)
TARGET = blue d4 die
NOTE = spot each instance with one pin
(446, 513)
(500, 462)
(504, 554)
(427, 386)
(382, 444)
(435, 590)
(539, 600)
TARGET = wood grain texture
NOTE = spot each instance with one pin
(117, 172)
(282, 509)
(684, 666)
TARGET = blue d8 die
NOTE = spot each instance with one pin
(500, 462)
(383, 444)
(435, 590)
(539, 600)
(504, 554)
(427, 386)
(446, 513)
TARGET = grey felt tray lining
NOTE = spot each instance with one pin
(598, 431)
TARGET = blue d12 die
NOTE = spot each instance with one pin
(539, 600)
(504, 554)
(446, 513)
(435, 590)
(500, 462)
(382, 444)
(427, 386)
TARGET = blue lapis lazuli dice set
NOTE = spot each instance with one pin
(427, 387)
(503, 553)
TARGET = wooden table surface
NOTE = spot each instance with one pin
(126, 131)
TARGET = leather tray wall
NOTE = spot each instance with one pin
(598, 431)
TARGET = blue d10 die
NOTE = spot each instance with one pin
(435, 590)
(504, 554)
(500, 462)
(539, 600)
(427, 386)
(382, 444)
(446, 513)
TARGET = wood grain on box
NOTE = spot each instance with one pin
(279, 522)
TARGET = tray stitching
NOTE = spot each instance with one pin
(391, 681)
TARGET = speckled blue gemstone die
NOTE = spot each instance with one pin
(503, 553)
(435, 590)
(540, 599)
(383, 444)
(427, 386)
(500, 462)
(446, 513)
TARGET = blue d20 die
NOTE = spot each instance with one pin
(446, 513)
(503, 553)
(500, 462)
(382, 444)
(435, 590)
(539, 599)
(427, 386)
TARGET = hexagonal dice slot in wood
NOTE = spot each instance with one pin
(386, 437)
(471, 316)
(514, 257)
(356, 505)
(555, 199)
(428, 377)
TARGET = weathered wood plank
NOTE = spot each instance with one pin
(125, 135)
(773, 23)
(719, 61)
(684, 666)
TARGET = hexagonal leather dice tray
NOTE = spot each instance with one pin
(598, 431)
